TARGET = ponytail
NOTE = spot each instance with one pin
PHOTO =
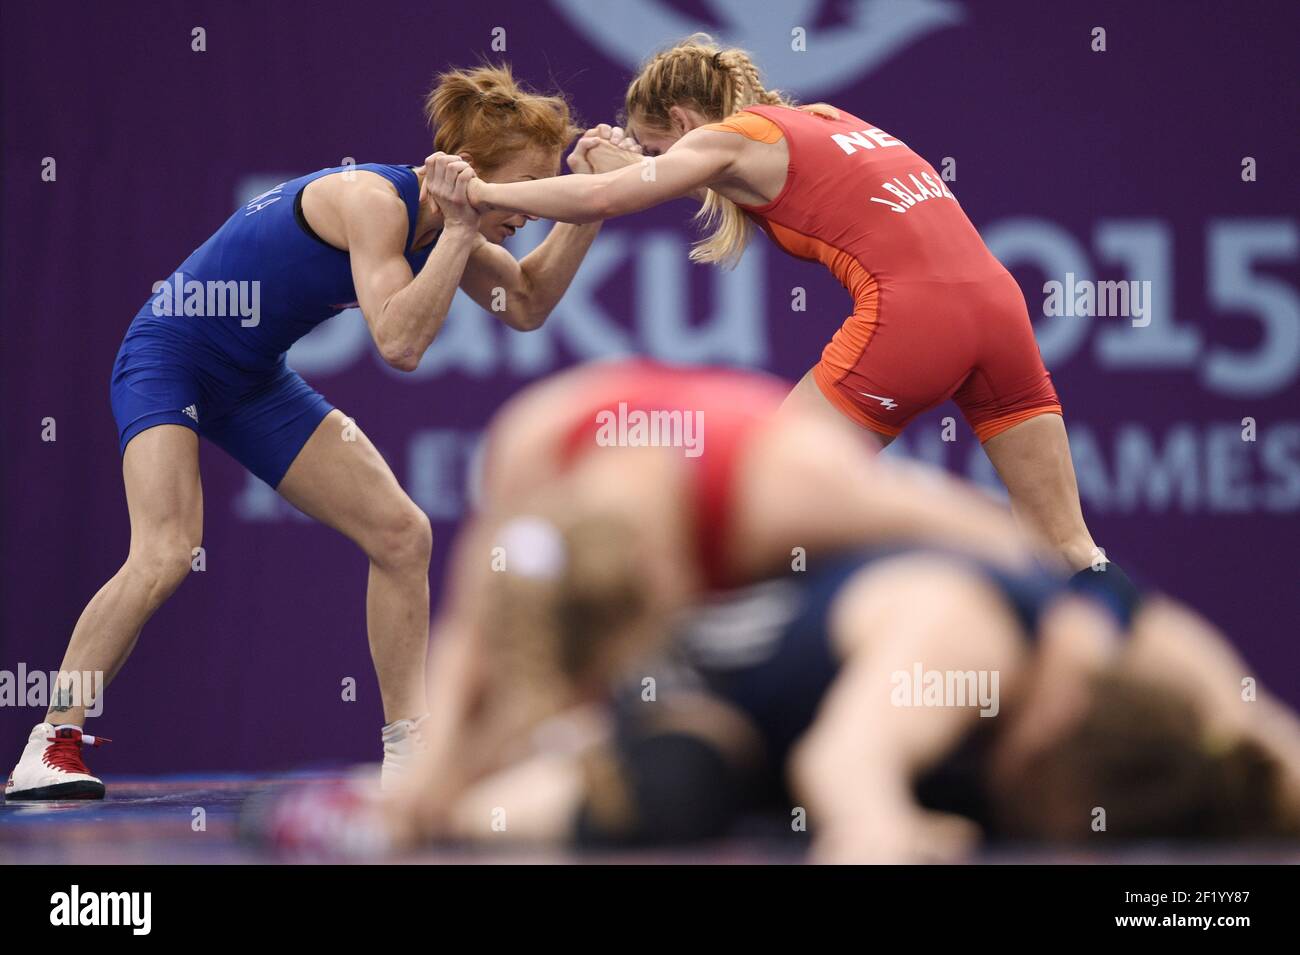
(485, 113)
(718, 83)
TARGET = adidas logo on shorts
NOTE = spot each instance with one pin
(192, 411)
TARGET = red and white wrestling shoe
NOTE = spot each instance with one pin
(51, 766)
(337, 819)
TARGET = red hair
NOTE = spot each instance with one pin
(485, 113)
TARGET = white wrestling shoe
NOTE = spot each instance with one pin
(51, 766)
(403, 742)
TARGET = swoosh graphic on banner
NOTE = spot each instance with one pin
(630, 30)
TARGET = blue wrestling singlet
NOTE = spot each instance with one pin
(207, 351)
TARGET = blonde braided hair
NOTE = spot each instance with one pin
(718, 83)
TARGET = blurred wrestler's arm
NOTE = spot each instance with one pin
(803, 487)
(855, 767)
(515, 456)
(672, 775)
(1173, 644)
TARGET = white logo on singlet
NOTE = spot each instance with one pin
(258, 203)
(906, 196)
(192, 411)
(888, 403)
(871, 138)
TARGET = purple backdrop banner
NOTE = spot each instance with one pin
(1166, 159)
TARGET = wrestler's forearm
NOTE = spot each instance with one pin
(413, 316)
(549, 268)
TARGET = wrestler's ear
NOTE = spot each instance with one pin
(682, 121)
(468, 158)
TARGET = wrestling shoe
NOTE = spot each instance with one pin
(336, 819)
(51, 766)
(403, 742)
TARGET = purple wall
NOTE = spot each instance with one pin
(1124, 165)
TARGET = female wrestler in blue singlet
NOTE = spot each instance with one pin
(396, 240)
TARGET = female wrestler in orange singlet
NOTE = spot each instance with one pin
(935, 314)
